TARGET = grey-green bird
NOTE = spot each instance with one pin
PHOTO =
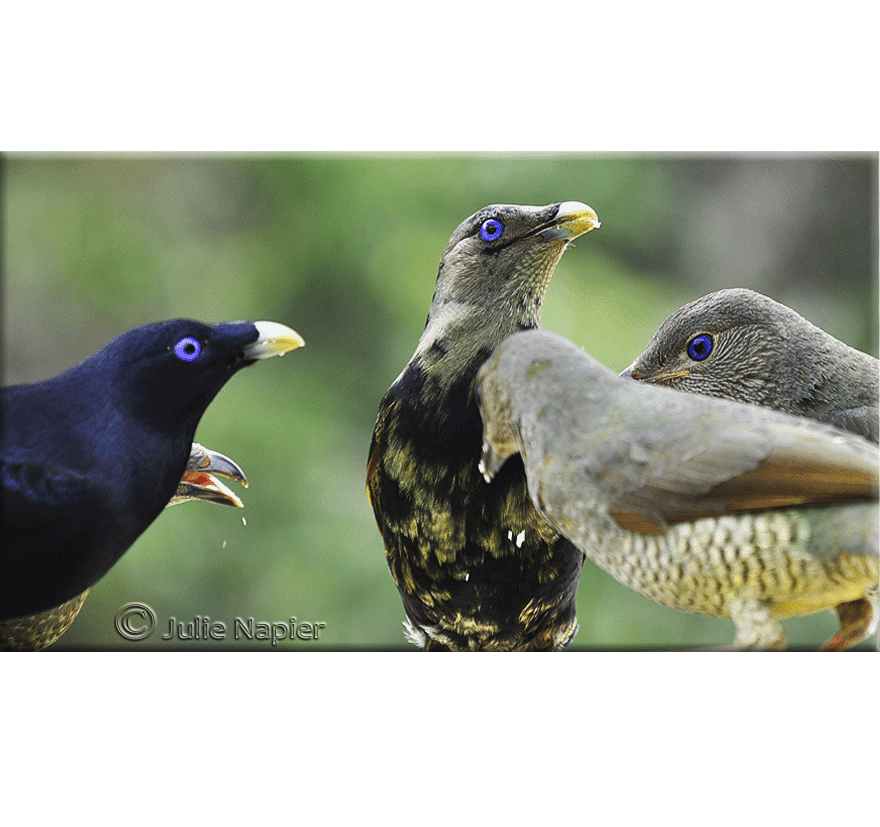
(738, 344)
(703, 505)
(199, 482)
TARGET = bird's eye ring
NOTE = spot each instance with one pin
(188, 349)
(700, 347)
(491, 229)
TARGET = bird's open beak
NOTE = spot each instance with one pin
(274, 339)
(572, 219)
(197, 486)
(201, 484)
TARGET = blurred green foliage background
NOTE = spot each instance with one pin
(345, 248)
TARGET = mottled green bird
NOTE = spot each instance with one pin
(476, 565)
(701, 504)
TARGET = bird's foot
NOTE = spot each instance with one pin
(858, 620)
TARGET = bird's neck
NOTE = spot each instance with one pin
(835, 376)
(459, 337)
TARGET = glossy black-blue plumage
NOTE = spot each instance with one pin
(89, 458)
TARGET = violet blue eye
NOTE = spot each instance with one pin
(491, 229)
(700, 347)
(188, 349)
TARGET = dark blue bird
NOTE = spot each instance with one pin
(89, 458)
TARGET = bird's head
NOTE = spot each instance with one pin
(500, 433)
(503, 390)
(168, 372)
(500, 260)
(731, 344)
